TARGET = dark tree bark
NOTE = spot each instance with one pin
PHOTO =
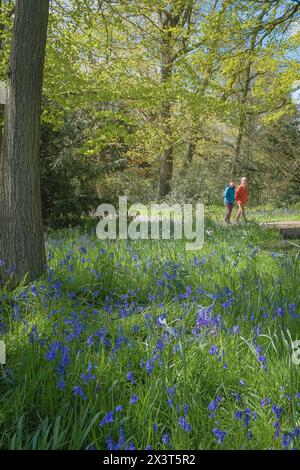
(179, 16)
(21, 229)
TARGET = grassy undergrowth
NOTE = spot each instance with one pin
(146, 345)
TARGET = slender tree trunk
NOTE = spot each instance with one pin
(244, 99)
(191, 147)
(188, 158)
(21, 230)
(242, 119)
(166, 161)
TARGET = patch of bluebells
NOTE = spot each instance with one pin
(291, 439)
(265, 401)
(214, 350)
(188, 300)
(88, 376)
(245, 415)
(207, 321)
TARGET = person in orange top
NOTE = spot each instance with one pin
(241, 197)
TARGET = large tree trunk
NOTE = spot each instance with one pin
(176, 16)
(21, 229)
(2, 27)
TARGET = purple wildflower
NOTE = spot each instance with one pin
(220, 434)
(133, 399)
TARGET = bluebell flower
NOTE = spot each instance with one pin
(77, 390)
(133, 399)
(165, 438)
(237, 396)
(122, 439)
(263, 361)
(280, 311)
(245, 415)
(130, 377)
(214, 404)
(17, 311)
(87, 377)
(111, 445)
(184, 424)
(34, 291)
(265, 401)
(235, 330)
(277, 429)
(228, 303)
(61, 384)
(278, 411)
(171, 391)
(256, 330)
(149, 366)
(286, 440)
(108, 418)
(214, 350)
(51, 353)
(238, 414)
(33, 335)
(220, 434)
